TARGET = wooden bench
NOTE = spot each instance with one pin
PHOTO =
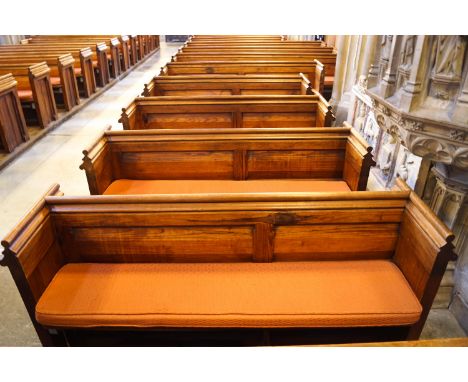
(83, 64)
(62, 75)
(234, 84)
(227, 112)
(13, 129)
(227, 161)
(35, 92)
(100, 52)
(279, 68)
(308, 268)
(327, 58)
(113, 56)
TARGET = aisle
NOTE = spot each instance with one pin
(56, 159)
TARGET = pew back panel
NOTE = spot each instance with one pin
(226, 112)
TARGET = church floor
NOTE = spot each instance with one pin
(56, 159)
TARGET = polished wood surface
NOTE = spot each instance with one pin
(329, 154)
(234, 84)
(227, 112)
(273, 227)
(13, 129)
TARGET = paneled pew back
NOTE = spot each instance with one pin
(13, 129)
(333, 158)
(62, 74)
(83, 61)
(34, 82)
(227, 112)
(234, 84)
(279, 68)
(391, 240)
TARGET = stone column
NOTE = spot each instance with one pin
(342, 47)
(449, 201)
(460, 112)
(374, 66)
(388, 85)
(411, 95)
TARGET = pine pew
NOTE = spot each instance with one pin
(13, 129)
(234, 84)
(227, 161)
(62, 75)
(227, 112)
(35, 92)
(291, 268)
(99, 50)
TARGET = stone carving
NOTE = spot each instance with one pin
(448, 53)
(407, 167)
(386, 46)
(387, 152)
(361, 117)
(408, 52)
(457, 135)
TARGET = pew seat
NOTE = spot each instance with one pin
(307, 294)
(135, 187)
(25, 95)
(329, 80)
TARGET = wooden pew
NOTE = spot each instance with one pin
(235, 37)
(233, 84)
(113, 57)
(279, 44)
(100, 53)
(304, 268)
(13, 129)
(227, 161)
(326, 57)
(62, 75)
(83, 64)
(35, 92)
(309, 68)
(227, 112)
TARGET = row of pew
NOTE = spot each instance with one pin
(46, 74)
(229, 211)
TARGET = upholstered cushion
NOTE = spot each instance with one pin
(77, 71)
(282, 294)
(55, 81)
(128, 187)
(329, 80)
(25, 95)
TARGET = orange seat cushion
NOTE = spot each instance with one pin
(55, 81)
(25, 95)
(281, 294)
(135, 187)
(329, 80)
(77, 71)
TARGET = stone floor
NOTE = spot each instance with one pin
(56, 159)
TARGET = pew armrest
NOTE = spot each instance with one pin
(32, 251)
(358, 161)
(97, 163)
(423, 250)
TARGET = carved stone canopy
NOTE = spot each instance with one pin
(435, 140)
